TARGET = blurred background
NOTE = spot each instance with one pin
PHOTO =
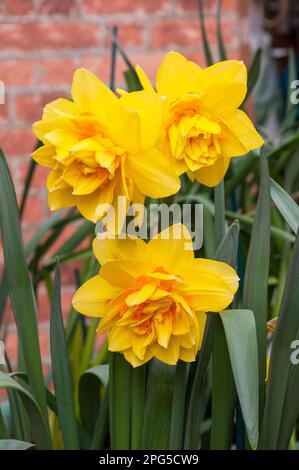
(42, 42)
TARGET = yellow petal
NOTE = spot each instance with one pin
(144, 80)
(134, 360)
(151, 172)
(89, 203)
(119, 338)
(87, 184)
(210, 286)
(177, 76)
(91, 95)
(138, 200)
(188, 355)
(141, 295)
(163, 329)
(54, 181)
(172, 249)
(169, 355)
(181, 324)
(123, 272)
(63, 138)
(124, 127)
(151, 108)
(106, 248)
(45, 156)
(91, 298)
(226, 272)
(212, 175)
(60, 107)
(61, 198)
(224, 87)
(239, 135)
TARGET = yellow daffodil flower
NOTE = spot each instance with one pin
(98, 148)
(153, 297)
(203, 127)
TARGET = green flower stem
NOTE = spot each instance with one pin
(120, 372)
(138, 401)
(178, 406)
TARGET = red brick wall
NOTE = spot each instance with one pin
(42, 42)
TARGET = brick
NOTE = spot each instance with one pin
(17, 141)
(45, 36)
(29, 106)
(98, 65)
(16, 72)
(188, 6)
(186, 33)
(149, 61)
(125, 6)
(39, 179)
(68, 272)
(3, 112)
(16, 7)
(129, 35)
(43, 304)
(11, 343)
(175, 33)
(57, 7)
(56, 72)
(34, 210)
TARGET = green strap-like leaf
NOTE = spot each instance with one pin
(20, 287)
(206, 46)
(227, 252)
(178, 406)
(223, 387)
(254, 72)
(223, 391)
(13, 444)
(120, 386)
(39, 425)
(221, 46)
(91, 386)
(61, 371)
(280, 381)
(138, 400)
(286, 205)
(255, 295)
(240, 332)
(157, 412)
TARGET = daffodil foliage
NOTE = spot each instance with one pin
(162, 344)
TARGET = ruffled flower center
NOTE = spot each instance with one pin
(151, 312)
(193, 134)
(91, 160)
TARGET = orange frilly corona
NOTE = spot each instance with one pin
(153, 297)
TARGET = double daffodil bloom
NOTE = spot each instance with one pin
(98, 148)
(203, 127)
(153, 297)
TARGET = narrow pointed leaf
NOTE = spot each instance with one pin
(61, 371)
(280, 363)
(157, 412)
(119, 401)
(286, 205)
(254, 72)
(255, 295)
(227, 252)
(19, 284)
(92, 382)
(13, 444)
(39, 425)
(240, 332)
